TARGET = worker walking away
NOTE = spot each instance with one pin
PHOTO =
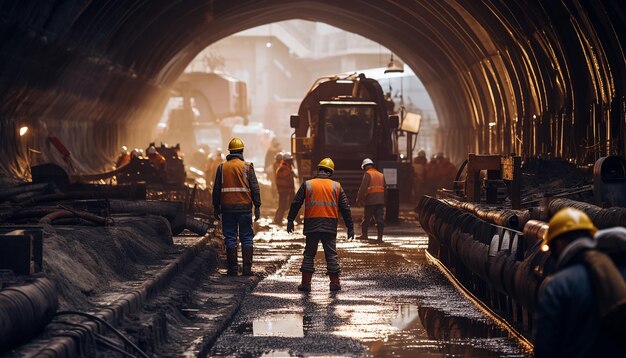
(581, 308)
(271, 175)
(284, 185)
(155, 158)
(323, 200)
(235, 191)
(372, 195)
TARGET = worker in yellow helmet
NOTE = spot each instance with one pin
(568, 321)
(323, 200)
(235, 191)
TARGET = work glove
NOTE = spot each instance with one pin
(289, 226)
(257, 213)
(217, 214)
(351, 234)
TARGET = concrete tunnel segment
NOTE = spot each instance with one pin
(540, 79)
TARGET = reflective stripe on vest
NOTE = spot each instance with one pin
(235, 183)
(377, 182)
(322, 198)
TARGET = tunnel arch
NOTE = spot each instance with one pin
(548, 76)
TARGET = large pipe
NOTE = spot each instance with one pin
(602, 218)
(25, 310)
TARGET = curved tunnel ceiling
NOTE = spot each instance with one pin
(544, 78)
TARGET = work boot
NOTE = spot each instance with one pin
(380, 230)
(334, 282)
(364, 235)
(231, 258)
(306, 282)
(246, 254)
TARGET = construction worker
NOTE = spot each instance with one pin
(568, 322)
(123, 158)
(323, 200)
(215, 160)
(155, 158)
(284, 185)
(419, 175)
(278, 159)
(372, 195)
(235, 190)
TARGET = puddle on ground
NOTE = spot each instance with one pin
(275, 325)
(434, 332)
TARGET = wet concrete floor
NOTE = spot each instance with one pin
(394, 303)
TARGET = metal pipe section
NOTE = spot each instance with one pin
(602, 218)
(502, 267)
(25, 310)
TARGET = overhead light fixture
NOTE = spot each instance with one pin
(492, 124)
(23, 130)
(268, 44)
(393, 66)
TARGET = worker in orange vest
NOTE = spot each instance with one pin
(372, 195)
(284, 184)
(123, 159)
(235, 190)
(155, 158)
(323, 200)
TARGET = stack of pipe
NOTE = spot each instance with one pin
(490, 260)
(602, 218)
(511, 218)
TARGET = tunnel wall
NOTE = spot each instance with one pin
(548, 75)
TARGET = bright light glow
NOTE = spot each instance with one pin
(196, 171)
(545, 248)
(162, 125)
(492, 124)
(23, 130)
(268, 44)
(534, 116)
(344, 81)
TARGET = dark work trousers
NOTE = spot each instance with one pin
(284, 202)
(329, 243)
(378, 212)
(237, 223)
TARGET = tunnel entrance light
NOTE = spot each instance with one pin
(23, 130)
(268, 44)
(393, 66)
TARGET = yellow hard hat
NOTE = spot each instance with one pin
(327, 163)
(235, 144)
(567, 220)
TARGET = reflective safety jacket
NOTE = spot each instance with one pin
(157, 160)
(372, 189)
(284, 178)
(236, 188)
(323, 200)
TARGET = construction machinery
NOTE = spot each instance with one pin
(349, 119)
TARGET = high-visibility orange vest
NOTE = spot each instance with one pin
(284, 177)
(235, 183)
(322, 198)
(377, 182)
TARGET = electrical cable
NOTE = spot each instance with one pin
(107, 343)
(108, 325)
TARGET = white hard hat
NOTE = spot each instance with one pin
(365, 162)
(287, 156)
(279, 156)
(151, 150)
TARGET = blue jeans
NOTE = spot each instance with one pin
(233, 223)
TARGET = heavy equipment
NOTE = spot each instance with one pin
(348, 119)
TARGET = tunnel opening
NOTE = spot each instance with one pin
(545, 80)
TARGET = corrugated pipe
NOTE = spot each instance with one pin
(25, 310)
(514, 219)
(64, 214)
(602, 218)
